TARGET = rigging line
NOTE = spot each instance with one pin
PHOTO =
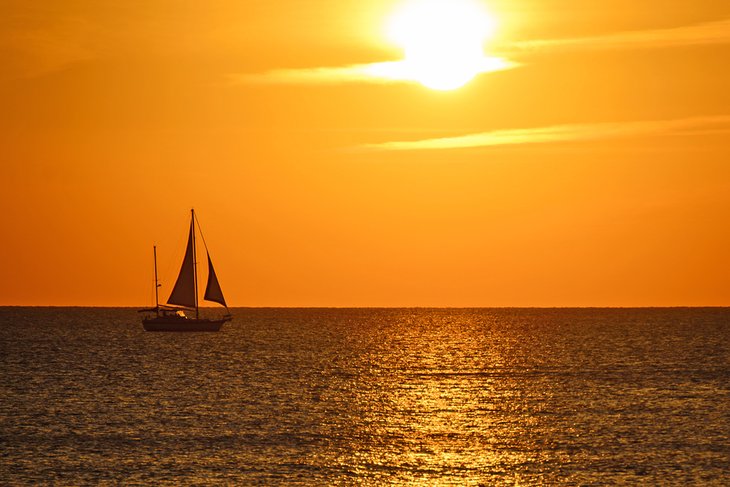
(200, 229)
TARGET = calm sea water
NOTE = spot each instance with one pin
(368, 397)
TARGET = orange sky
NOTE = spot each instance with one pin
(595, 172)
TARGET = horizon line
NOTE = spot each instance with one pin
(680, 306)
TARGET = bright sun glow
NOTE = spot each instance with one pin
(442, 41)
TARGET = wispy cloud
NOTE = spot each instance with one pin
(562, 133)
(717, 32)
(385, 72)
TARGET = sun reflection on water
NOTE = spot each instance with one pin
(428, 409)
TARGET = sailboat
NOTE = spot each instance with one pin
(184, 296)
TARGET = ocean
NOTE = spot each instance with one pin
(368, 397)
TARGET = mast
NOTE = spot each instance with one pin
(195, 263)
(157, 285)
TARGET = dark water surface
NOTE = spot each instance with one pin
(368, 397)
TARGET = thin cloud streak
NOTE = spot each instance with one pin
(717, 32)
(562, 133)
(379, 73)
(356, 73)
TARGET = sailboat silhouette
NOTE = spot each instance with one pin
(184, 296)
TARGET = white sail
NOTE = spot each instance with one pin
(183, 294)
(213, 290)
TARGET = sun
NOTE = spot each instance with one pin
(442, 41)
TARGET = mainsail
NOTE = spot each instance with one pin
(183, 294)
(213, 290)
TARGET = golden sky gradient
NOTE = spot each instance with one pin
(590, 168)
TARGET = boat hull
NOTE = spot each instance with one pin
(172, 324)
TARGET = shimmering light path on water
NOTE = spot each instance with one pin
(368, 396)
